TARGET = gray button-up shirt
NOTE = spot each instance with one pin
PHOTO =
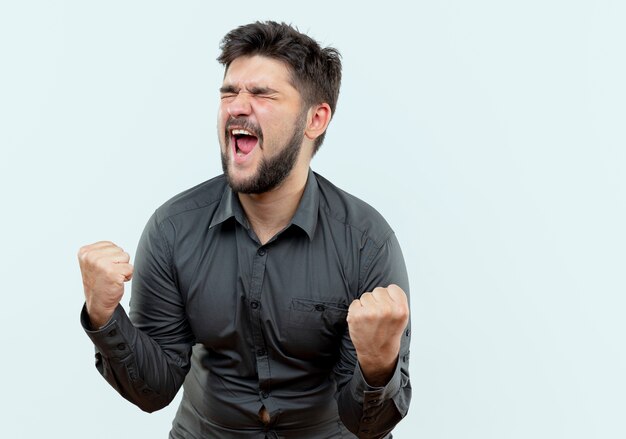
(246, 325)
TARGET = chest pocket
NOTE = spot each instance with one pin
(327, 318)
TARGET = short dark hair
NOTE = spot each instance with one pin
(315, 71)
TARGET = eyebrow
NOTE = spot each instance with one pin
(229, 89)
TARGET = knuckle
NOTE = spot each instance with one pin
(386, 314)
(110, 271)
(94, 260)
(373, 314)
(358, 316)
(402, 315)
(406, 313)
(84, 253)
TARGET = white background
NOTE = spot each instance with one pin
(490, 134)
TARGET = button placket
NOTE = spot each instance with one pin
(256, 308)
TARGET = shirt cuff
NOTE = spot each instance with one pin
(111, 340)
(371, 396)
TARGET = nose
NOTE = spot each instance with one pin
(239, 105)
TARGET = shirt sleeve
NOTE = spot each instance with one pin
(146, 356)
(372, 412)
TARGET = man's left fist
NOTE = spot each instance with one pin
(376, 323)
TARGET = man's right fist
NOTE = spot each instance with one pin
(105, 267)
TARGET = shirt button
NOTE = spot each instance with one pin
(254, 304)
(261, 252)
(373, 401)
(121, 346)
(260, 352)
(265, 395)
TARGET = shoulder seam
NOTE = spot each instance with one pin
(343, 221)
(190, 209)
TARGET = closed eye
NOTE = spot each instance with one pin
(263, 91)
(230, 92)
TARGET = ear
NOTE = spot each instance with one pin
(318, 119)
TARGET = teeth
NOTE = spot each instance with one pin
(241, 133)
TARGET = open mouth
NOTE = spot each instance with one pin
(244, 141)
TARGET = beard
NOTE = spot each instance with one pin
(271, 171)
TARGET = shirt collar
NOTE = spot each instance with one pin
(229, 207)
(305, 216)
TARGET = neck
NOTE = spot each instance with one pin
(270, 212)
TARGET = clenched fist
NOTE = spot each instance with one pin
(105, 267)
(376, 323)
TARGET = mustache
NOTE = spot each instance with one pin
(243, 123)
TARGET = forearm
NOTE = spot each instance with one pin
(143, 372)
(372, 412)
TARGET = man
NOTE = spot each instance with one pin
(290, 291)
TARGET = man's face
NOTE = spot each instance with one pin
(261, 124)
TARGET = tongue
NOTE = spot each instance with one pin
(246, 143)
